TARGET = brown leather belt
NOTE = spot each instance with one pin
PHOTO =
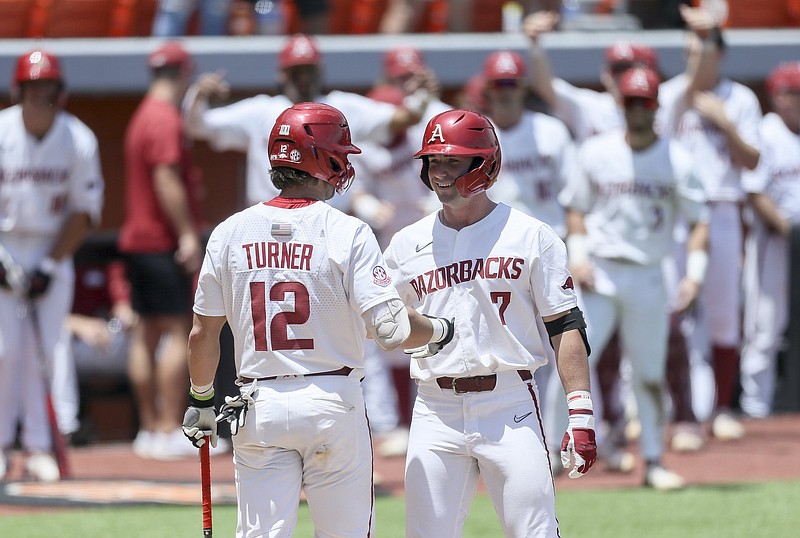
(478, 383)
(344, 370)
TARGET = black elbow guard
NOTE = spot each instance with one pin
(572, 321)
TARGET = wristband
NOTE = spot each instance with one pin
(48, 266)
(202, 390)
(201, 400)
(577, 249)
(696, 265)
(580, 400)
(439, 330)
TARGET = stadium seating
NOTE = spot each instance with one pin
(71, 18)
(15, 18)
(132, 18)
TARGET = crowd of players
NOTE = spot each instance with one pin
(722, 267)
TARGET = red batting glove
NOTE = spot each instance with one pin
(579, 443)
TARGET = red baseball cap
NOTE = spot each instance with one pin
(504, 64)
(169, 54)
(37, 65)
(639, 82)
(625, 52)
(402, 61)
(784, 77)
(300, 49)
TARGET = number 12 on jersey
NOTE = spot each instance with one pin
(278, 325)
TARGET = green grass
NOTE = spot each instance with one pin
(732, 511)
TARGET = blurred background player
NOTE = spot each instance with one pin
(244, 125)
(717, 120)
(773, 191)
(160, 239)
(628, 190)
(50, 197)
(299, 325)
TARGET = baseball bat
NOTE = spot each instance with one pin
(205, 484)
(59, 446)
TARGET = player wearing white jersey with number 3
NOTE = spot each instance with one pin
(51, 194)
(297, 281)
(627, 191)
(477, 412)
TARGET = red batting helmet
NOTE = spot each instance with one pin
(463, 133)
(502, 65)
(635, 54)
(402, 61)
(37, 65)
(639, 82)
(314, 138)
(784, 77)
(300, 49)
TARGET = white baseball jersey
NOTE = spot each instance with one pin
(704, 140)
(245, 126)
(585, 111)
(43, 181)
(497, 278)
(778, 172)
(293, 283)
(632, 199)
(537, 153)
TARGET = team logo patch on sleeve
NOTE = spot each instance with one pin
(568, 285)
(380, 276)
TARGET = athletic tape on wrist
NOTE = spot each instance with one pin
(579, 400)
(48, 266)
(577, 248)
(439, 330)
(696, 265)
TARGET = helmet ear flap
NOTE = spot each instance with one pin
(423, 175)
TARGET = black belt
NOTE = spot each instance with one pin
(478, 383)
(344, 370)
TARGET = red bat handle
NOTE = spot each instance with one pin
(205, 477)
(59, 445)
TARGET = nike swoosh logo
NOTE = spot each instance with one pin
(523, 417)
(420, 247)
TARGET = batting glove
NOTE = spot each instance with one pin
(200, 419)
(443, 331)
(39, 282)
(12, 278)
(579, 443)
(234, 410)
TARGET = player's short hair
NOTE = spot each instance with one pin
(283, 177)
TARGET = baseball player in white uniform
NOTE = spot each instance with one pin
(537, 148)
(628, 190)
(717, 120)
(51, 194)
(244, 125)
(298, 280)
(476, 412)
(773, 190)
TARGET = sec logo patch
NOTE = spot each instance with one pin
(380, 276)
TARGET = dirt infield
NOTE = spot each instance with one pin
(109, 473)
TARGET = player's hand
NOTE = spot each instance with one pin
(698, 20)
(711, 108)
(234, 410)
(432, 348)
(200, 421)
(583, 274)
(578, 445)
(688, 291)
(190, 253)
(538, 23)
(213, 84)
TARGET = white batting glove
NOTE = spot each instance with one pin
(443, 331)
(578, 444)
(234, 410)
(199, 421)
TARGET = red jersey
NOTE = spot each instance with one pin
(154, 136)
